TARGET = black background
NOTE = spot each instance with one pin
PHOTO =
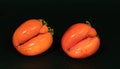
(60, 14)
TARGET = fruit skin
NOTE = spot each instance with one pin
(80, 41)
(32, 38)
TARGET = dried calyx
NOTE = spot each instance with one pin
(51, 30)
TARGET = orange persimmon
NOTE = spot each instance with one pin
(80, 41)
(32, 37)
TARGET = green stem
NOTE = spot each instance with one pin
(91, 26)
(88, 23)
